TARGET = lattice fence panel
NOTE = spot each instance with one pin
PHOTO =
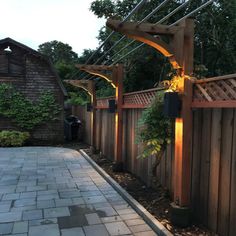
(140, 98)
(215, 90)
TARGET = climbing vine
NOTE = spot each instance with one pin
(25, 113)
(154, 129)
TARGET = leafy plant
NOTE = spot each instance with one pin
(25, 113)
(76, 99)
(154, 130)
(13, 138)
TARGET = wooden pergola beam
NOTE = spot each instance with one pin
(180, 40)
(113, 74)
(88, 86)
(144, 27)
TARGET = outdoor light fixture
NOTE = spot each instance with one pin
(172, 105)
(112, 105)
(89, 107)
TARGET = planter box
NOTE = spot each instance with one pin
(172, 105)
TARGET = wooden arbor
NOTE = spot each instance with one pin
(113, 75)
(89, 87)
(178, 48)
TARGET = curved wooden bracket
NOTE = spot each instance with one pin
(87, 85)
(157, 43)
(179, 47)
(105, 72)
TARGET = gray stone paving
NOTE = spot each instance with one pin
(55, 192)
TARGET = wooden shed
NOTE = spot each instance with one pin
(30, 73)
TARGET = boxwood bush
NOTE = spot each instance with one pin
(13, 138)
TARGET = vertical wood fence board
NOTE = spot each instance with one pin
(232, 222)
(196, 162)
(224, 193)
(205, 164)
(214, 169)
(124, 144)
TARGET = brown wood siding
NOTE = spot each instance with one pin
(38, 78)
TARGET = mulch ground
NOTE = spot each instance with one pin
(155, 200)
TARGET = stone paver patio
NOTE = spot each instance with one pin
(47, 191)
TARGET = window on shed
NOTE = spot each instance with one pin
(11, 63)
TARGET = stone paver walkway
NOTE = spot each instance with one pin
(48, 191)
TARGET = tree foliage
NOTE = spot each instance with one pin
(215, 34)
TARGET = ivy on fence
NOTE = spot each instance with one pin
(25, 113)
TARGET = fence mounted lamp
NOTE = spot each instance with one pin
(112, 105)
(89, 107)
(172, 105)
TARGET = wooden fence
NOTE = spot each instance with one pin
(213, 160)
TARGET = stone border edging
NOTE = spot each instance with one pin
(156, 226)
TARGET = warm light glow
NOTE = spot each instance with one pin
(116, 129)
(178, 156)
(178, 134)
(176, 84)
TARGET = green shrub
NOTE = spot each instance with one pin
(154, 129)
(13, 138)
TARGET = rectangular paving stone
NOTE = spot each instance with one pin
(48, 197)
(77, 231)
(5, 206)
(7, 189)
(18, 234)
(11, 196)
(32, 215)
(125, 211)
(35, 188)
(28, 195)
(20, 227)
(6, 228)
(10, 216)
(47, 192)
(117, 228)
(63, 202)
(93, 219)
(98, 230)
(135, 222)
(140, 228)
(56, 212)
(24, 208)
(46, 204)
(109, 211)
(129, 216)
(94, 199)
(110, 219)
(147, 233)
(51, 229)
(43, 222)
(25, 202)
(20, 189)
(78, 201)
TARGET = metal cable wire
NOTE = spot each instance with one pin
(191, 13)
(137, 7)
(159, 22)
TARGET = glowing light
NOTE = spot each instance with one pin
(178, 156)
(176, 84)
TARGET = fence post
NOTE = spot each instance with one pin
(93, 114)
(119, 72)
(182, 161)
